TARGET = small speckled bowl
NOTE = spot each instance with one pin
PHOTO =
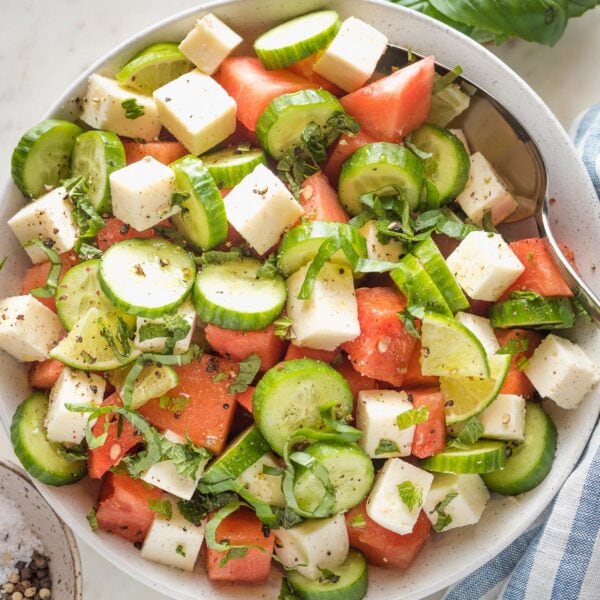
(60, 545)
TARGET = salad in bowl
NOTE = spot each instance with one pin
(271, 315)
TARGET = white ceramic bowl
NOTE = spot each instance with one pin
(448, 557)
(65, 565)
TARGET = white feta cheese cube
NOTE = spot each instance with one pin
(28, 330)
(485, 192)
(390, 252)
(262, 485)
(330, 316)
(47, 218)
(484, 265)
(562, 371)
(164, 475)
(103, 109)
(313, 545)
(260, 207)
(209, 43)
(175, 542)
(482, 329)
(394, 508)
(504, 418)
(376, 414)
(465, 504)
(72, 387)
(196, 110)
(460, 134)
(142, 192)
(352, 56)
(157, 344)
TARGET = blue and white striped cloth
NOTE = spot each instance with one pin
(558, 557)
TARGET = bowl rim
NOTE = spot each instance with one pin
(526, 518)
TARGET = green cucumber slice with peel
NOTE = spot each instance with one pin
(281, 124)
(40, 457)
(202, 220)
(529, 462)
(418, 287)
(146, 277)
(530, 310)
(351, 585)
(96, 155)
(449, 164)
(79, 290)
(154, 67)
(432, 260)
(296, 39)
(481, 457)
(42, 158)
(233, 296)
(289, 397)
(380, 167)
(230, 165)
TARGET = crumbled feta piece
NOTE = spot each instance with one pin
(504, 418)
(209, 43)
(390, 252)
(260, 208)
(484, 265)
(330, 316)
(485, 192)
(376, 414)
(157, 344)
(482, 329)
(562, 371)
(352, 56)
(196, 110)
(47, 218)
(142, 192)
(72, 387)
(103, 109)
(28, 330)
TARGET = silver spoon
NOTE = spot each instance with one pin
(495, 132)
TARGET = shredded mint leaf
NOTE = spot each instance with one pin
(176, 404)
(524, 295)
(409, 317)
(161, 507)
(287, 517)
(233, 553)
(283, 328)
(410, 494)
(118, 341)
(88, 251)
(328, 576)
(49, 289)
(217, 257)
(198, 508)
(133, 110)
(178, 198)
(514, 346)
(386, 446)
(92, 520)
(522, 363)
(469, 434)
(287, 592)
(248, 369)
(187, 458)
(74, 453)
(268, 270)
(443, 519)
(179, 550)
(411, 417)
(358, 521)
(174, 328)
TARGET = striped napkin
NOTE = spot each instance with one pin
(558, 557)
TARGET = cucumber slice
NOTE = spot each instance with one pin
(241, 454)
(419, 289)
(533, 311)
(153, 67)
(146, 277)
(376, 168)
(296, 39)
(450, 349)
(301, 244)
(152, 382)
(530, 461)
(481, 457)
(79, 290)
(96, 155)
(231, 295)
(350, 472)
(42, 157)
(202, 220)
(448, 166)
(289, 396)
(432, 260)
(40, 457)
(87, 348)
(230, 165)
(351, 585)
(468, 396)
(281, 124)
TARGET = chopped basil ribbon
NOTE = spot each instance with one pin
(386, 447)
(443, 519)
(469, 434)
(248, 369)
(174, 328)
(410, 495)
(161, 507)
(133, 110)
(49, 288)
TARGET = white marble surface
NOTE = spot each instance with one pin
(45, 44)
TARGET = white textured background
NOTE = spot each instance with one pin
(45, 44)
